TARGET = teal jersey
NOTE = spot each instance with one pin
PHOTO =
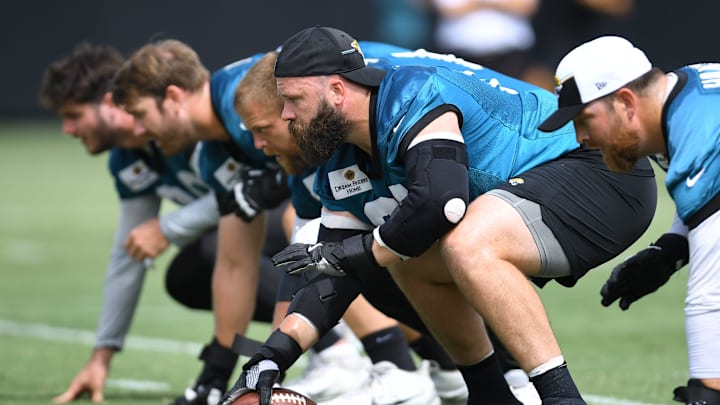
(144, 171)
(692, 132)
(220, 162)
(498, 124)
(306, 203)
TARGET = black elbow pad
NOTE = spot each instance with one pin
(438, 194)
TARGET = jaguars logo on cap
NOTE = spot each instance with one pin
(558, 85)
(516, 181)
(356, 46)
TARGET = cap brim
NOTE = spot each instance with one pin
(367, 76)
(560, 117)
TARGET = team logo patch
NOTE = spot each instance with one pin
(227, 173)
(138, 176)
(516, 181)
(348, 182)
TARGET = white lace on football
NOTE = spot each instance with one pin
(287, 398)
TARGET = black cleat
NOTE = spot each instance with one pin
(695, 393)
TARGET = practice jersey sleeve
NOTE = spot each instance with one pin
(125, 276)
(187, 223)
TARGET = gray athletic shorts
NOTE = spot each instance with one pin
(553, 261)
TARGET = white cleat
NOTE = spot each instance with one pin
(449, 384)
(390, 385)
(522, 388)
(334, 371)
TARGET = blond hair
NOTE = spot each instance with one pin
(258, 85)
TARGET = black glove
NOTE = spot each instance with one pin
(255, 191)
(265, 368)
(259, 374)
(646, 271)
(337, 259)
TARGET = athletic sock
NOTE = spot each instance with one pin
(554, 381)
(389, 345)
(486, 383)
(429, 349)
(219, 363)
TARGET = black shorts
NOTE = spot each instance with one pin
(594, 213)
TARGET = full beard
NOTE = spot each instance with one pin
(321, 136)
(621, 155)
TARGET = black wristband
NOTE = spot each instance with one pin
(676, 247)
(281, 348)
(226, 203)
(359, 257)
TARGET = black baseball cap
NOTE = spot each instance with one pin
(319, 51)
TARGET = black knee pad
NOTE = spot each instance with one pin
(268, 284)
(188, 278)
(324, 301)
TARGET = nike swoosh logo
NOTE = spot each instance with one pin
(383, 338)
(690, 181)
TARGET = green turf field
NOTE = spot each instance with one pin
(57, 217)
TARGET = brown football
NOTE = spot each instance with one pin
(280, 396)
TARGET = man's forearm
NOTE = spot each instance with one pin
(189, 222)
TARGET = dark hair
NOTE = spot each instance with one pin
(84, 76)
(155, 66)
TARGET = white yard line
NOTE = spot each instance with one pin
(58, 334)
(603, 400)
(138, 385)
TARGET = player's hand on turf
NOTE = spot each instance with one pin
(259, 375)
(324, 257)
(646, 271)
(90, 380)
(258, 190)
(146, 240)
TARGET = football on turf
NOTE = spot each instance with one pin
(280, 396)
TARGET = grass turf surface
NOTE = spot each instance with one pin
(58, 212)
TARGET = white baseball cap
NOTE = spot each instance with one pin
(593, 70)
